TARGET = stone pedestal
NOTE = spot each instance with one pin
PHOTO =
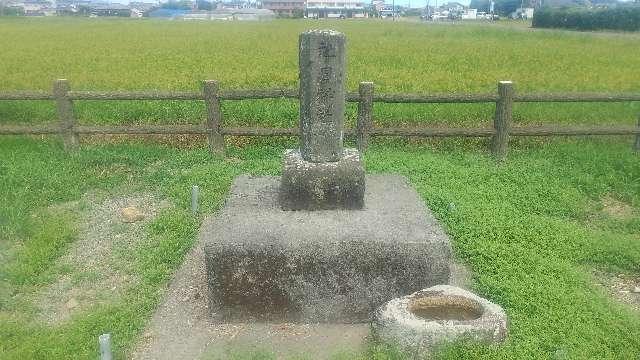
(322, 186)
(348, 248)
(320, 266)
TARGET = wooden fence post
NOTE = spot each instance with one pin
(67, 121)
(214, 116)
(636, 147)
(365, 112)
(502, 120)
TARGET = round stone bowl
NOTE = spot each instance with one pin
(422, 321)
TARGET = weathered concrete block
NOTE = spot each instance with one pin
(320, 266)
(322, 62)
(420, 322)
(322, 186)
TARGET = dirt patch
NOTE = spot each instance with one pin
(625, 288)
(616, 208)
(97, 268)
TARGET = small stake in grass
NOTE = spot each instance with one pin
(194, 199)
(105, 347)
(636, 147)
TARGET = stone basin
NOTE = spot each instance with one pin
(442, 307)
(428, 318)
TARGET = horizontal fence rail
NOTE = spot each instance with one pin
(26, 95)
(582, 97)
(365, 98)
(435, 99)
(134, 95)
(248, 131)
(293, 94)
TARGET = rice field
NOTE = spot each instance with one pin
(398, 57)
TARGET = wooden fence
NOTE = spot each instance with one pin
(69, 130)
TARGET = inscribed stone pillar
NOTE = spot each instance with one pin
(322, 75)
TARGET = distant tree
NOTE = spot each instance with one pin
(371, 11)
(297, 13)
(12, 11)
(84, 10)
(481, 5)
(204, 5)
(178, 5)
(621, 17)
(411, 12)
(506, 7)
(502, 7)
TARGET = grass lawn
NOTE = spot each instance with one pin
(533, 230)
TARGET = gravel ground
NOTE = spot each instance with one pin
(625, 288)
(96, 267)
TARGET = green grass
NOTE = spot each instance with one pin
(531, 229)
(526, 229)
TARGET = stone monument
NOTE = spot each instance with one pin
(322, 174)
(317, 245)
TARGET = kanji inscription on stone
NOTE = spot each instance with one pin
(322, 76)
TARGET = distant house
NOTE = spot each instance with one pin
(522, 13)
(66, 9)
(386, 11)
(140, 9)
(470, 14)
(72, 7)
(335, 9)
(167, 13)
(230, 15)
(234, 4)
(218, 14)
(119, 10)
(284, 7)
(37, 8)
(135, 13)
(253, 14)
(454, 6)
(377, 5)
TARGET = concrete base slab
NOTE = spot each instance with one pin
(267, 264)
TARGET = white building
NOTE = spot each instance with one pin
(470, 14)
(335, 9)
(522, 13)
(230, 15)
(37, 8)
